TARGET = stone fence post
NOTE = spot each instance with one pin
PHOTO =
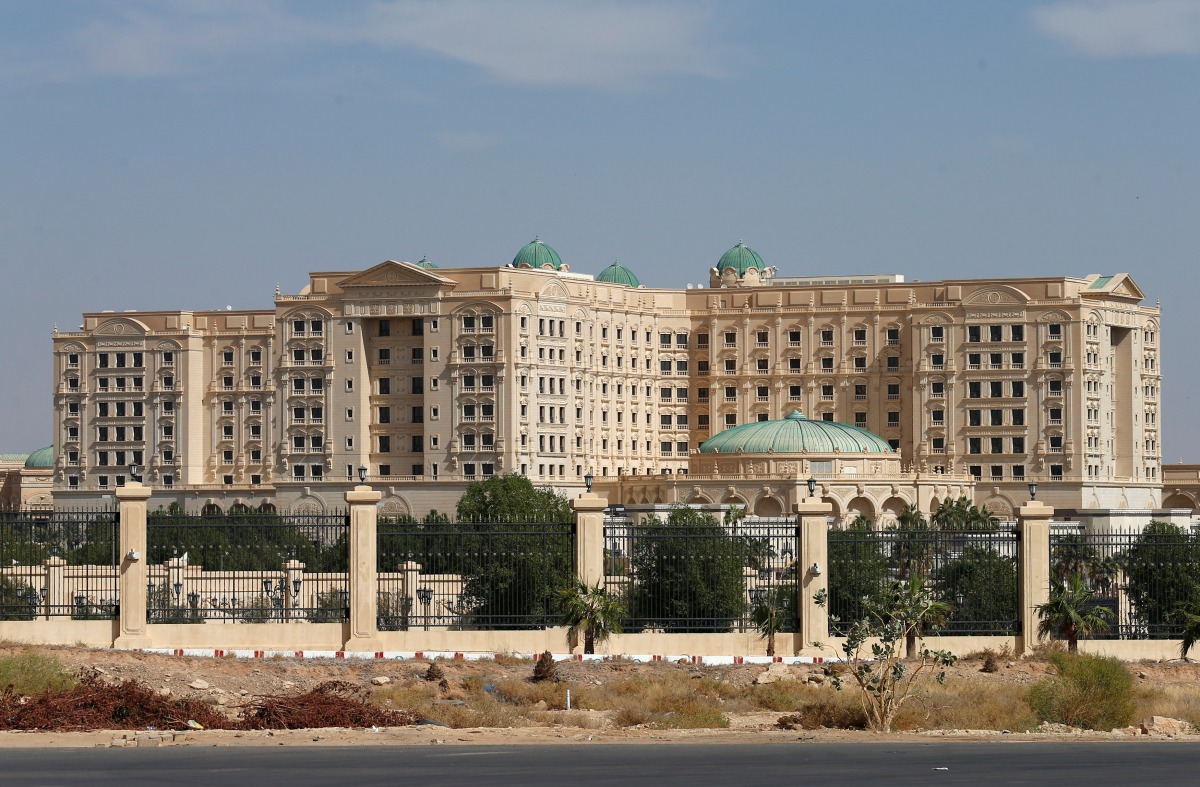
(132, 501)
(812, 528)
(364, 584)
(1033, 526)
(589, 537)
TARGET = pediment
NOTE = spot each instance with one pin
(1125, 287)
(120, 326)
(996, 296)
(1120, 285)
(554, 290)
(396, 274)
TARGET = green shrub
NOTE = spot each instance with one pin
(1093, 692)
(33, 673)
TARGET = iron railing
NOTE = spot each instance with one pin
(975, 573)
(1144, 579)
(699, 574)
(59, 563)
(248, 567)
(472, 575)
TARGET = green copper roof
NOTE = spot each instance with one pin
(741, 258)
(537, 254)
(43, 457)
(618, 274)
(1101, 283)
(425, 263)
(795, 434)
(14, 458)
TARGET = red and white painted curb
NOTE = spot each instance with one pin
(430, 655)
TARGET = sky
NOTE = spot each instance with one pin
(195, 154)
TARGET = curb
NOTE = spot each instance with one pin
(482, 655)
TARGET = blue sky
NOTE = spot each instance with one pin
(209, 149)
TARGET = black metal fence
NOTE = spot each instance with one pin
(472, 575)
(59, 563)
(974, 573)
(695, 573)
(248, 567)
(1144, 579)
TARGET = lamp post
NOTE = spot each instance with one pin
(1033, 490)
(588, 478)
(362, 474)
(133, 472)
(812, 486)
(425, 595)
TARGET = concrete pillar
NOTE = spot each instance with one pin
(589, 537)
(132, 500)
(293, 570)
(1033, 524)
(56, 590)
(812, 550)
(364, 599)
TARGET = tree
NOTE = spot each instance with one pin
(858, 569)
(872, 652)
(917, 611)
(775, 614)
(1068, 614)
(511, 498)
(962, 514)
(1162, 569)
(1189, 616)
(983, 586)
(593, 611)
(687, 572)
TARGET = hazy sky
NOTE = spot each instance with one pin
(193, 154)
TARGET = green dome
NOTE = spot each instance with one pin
(537, 254)
(424, 263)
(618, 274)
(41, 458)
(741, 258)
(793, 435)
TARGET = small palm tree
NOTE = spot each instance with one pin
(593, 611)
(1069, 615)
(916, 608)
(771, 614)
(1189, 616)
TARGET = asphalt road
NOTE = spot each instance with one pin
(1098, 763)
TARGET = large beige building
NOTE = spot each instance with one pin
(431, 377)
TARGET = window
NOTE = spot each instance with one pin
(1055, 359)
(385, 415)
(893, 362)
(227, 357)
(996, 417)
(860, 362)
(937, 390)
(860, 392)
(893, 335)
(997, 445)
(860, 419)
(1018, 388)
(1054, 330)
(826, 337)
(974, 445)
(937, 333)
(385, 327)
(385, 444)
(995, 333)
(938, 360)
(1018, 445)
(860, 336)
(995, 389)
(418, 385)
(939, 445)
(938, 417)
(1016, 333)
(827, 364)
(974, 417)
(893, 418)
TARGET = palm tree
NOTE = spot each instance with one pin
(771, 614)
(1189, 616)
(1068, 613)
(917, 609)
(591, 610)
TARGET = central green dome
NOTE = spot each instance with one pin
(538, 255)
(793, 435)
(618, 274)
(741, 258)
(40, 459)
(425, 263)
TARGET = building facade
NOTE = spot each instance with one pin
(430, 377)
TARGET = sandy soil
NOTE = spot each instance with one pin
(231, 682)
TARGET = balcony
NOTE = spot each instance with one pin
(860, 397)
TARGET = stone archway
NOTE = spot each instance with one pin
(1180, 500)
(211, 509)
(860, 506)
(768, 506)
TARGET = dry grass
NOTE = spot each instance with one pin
(830, 709)
(969, 705)
(675, 700)
(1176, 702)
(34, 673)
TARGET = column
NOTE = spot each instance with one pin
(813, 577)
(364, 600)
(56, 591)
(1033, 525)
(589, 537)
(132, 499)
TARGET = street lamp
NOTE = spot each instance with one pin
(362, 474)
(425, 595)
(812, 487)
(588, 478)
(133, 468)
(1033, 490)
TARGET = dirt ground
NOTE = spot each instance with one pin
(230, 682)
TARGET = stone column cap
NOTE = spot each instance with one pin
(361, 495)
(811, 506)
(133, 490)
(1035, 509)
(589, 501)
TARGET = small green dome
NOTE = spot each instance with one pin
(618, 274)
(793, 435)
(41, 458)
(425, 263)
(537, 254)
(741, 258)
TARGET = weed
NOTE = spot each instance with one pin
(831, 710)
(34, 673)
(545, 669)
(1093, 692)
